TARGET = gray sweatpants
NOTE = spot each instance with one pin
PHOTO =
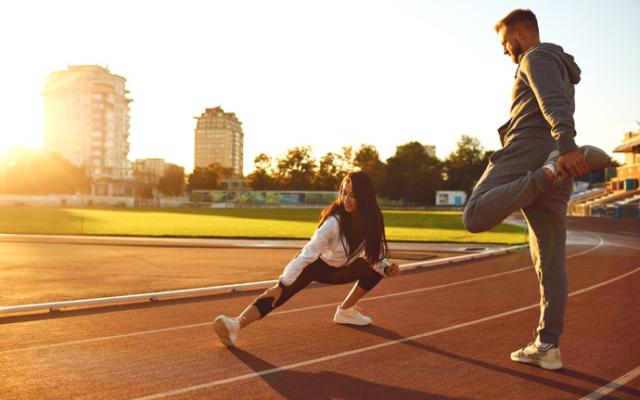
(514, 180)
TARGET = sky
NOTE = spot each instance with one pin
(321, 73)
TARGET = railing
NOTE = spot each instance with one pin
(208, 291)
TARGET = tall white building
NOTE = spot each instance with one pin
(87, 122)
(219, 139)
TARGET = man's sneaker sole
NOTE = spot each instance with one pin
(223, 332)
(550, 365)
(595, 157)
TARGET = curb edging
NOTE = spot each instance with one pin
(207, 291)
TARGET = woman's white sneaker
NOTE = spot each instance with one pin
(352, 316)
(227, 330)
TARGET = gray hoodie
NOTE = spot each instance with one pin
(543, 97)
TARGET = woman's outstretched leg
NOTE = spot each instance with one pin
(227, 328)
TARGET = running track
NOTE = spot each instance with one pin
(445, 333)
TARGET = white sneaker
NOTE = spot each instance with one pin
(227, 329)
(351, 316)
(596, 158)
(547, 359)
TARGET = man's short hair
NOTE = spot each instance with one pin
(519, 16)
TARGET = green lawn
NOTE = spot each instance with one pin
(432, 226)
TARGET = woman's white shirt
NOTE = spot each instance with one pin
(326, 243)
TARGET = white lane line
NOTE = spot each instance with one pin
(190, 326)
(601, 243)
(384, 296)
(610, 243)
(133, 334)
(613, 385)
(626, 246)
(207, 291)
(252, 375)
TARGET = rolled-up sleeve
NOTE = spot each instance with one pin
(320, 242)
(379, 266)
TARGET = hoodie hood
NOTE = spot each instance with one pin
(543, 96)
(565, 58)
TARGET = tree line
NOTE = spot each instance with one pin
(410, 176)
(37, 172)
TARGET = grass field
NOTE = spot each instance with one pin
(432, 226)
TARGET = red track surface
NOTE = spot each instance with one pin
(449, 338)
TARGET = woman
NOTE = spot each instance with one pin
(348, 245)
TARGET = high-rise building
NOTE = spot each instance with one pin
(430, 150)
(87, 122)
(219, 139)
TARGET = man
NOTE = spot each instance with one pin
(534, 170)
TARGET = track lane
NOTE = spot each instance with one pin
(185, 356)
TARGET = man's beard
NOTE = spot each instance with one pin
(516, 51)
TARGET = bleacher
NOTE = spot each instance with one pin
(603, 202)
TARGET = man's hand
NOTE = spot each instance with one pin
(392, 270)
(572, 164)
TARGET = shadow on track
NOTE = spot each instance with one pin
(516, 373)
(292, 384)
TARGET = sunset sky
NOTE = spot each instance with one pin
(320, 73)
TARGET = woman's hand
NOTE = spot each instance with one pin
(392, 270)
(275, 292)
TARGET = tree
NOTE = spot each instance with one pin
(208, 178)
(296, 169)
(465, 165)
(261, 178)
(330, 172)
(367, 159)
(412, 175)
(172, 183)
(346, 160)
(40, 172)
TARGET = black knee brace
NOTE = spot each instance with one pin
(264, 305)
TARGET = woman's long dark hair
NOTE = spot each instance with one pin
(370, 216)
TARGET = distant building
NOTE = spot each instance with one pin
(431, 150)
(451, 198)
(149, 170)
(628, 176)
(219, 139)
(87, 122)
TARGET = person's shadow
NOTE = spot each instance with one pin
(293, 384)
(518, 373)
